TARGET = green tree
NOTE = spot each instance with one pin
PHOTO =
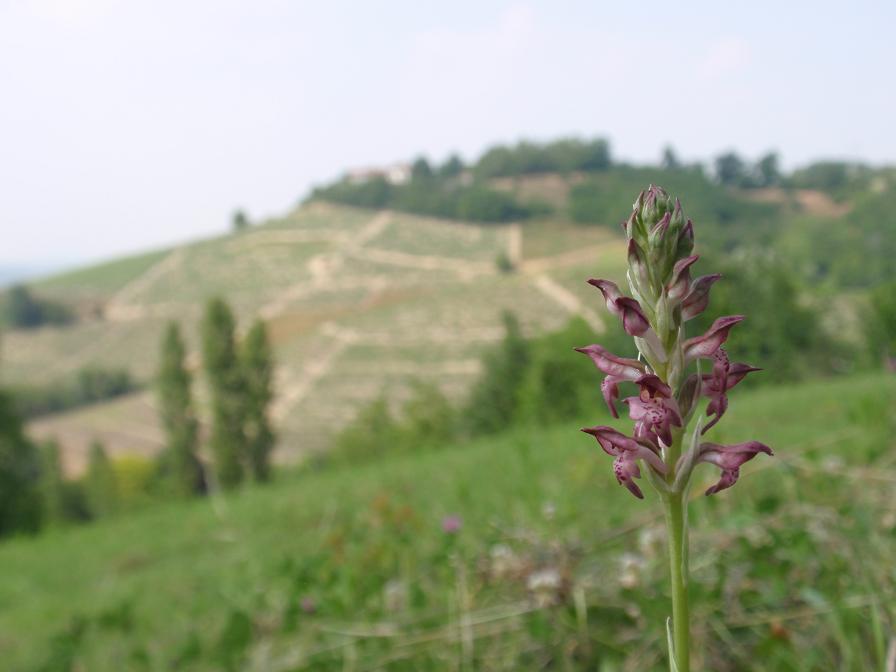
(258, 371)
(420, 169)
(180, 467)
(20, 500)
(22, 310)
(100, 486)
(495, 396)
(225, 381)
(670, 159)
(767, 170)
(452, 167)
(730, 169)
(239, 221)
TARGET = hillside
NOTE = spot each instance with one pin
(555, 565)
(357, 302)
(361, 301)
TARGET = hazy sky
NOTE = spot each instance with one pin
(130, 124)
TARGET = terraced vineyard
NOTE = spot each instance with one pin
(358, 302)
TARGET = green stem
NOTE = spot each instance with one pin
(676, 524)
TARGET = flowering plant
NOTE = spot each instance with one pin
(670, 383)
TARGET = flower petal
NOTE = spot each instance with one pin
(637, 262)
(707, 344)
(634, 321)
(680, 283)
(737, 372)
(613, 365)
(698, 298)
(611, 292)
(612, 441)
(616, 443)
(685, 243)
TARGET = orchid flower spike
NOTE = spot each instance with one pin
(667, 373)
(669, 381)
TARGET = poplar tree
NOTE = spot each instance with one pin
(180, 466)
(20, 501)
(225, 381)
(258, 369)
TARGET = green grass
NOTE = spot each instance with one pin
(101, 280)
(792, 569)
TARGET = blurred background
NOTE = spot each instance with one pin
(289, 296)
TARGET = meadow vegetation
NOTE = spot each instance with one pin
(457, 519)
(349, 566)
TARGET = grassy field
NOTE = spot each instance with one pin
(554, 567)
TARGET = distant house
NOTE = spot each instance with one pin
(397, 173)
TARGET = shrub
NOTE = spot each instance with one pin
(23, 310)
(100, 487)
(494, 399)
(89, 385)
(373, 432)
(135, 479)
(880, 324)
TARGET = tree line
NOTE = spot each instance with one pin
(457, 190)
(239, 373)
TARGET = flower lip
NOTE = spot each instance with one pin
(654, 417)
(653, 385)
(609, 388)
(626, 451)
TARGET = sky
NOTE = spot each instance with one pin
(134, 124)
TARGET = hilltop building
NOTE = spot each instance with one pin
(397, 173)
